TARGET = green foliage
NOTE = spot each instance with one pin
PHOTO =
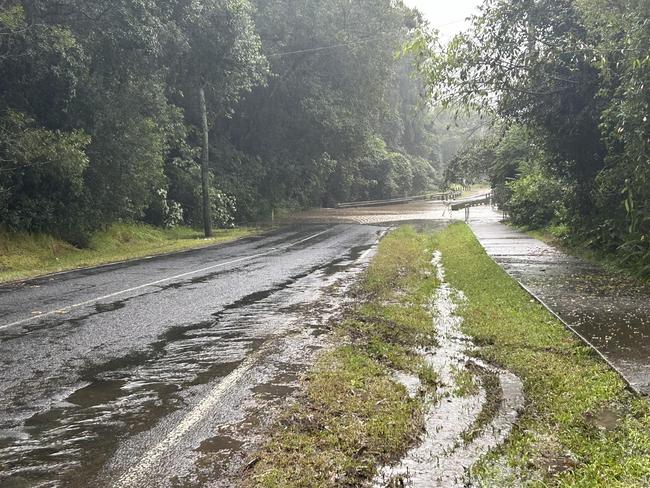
(382, 173)
(623, 187)
(223, 209)
(471, 164)
(335, 124)
(308, 104)
(574, 74)
(163, 212)
(12, 18)
(41, 176)
(126, 76)
(536, 200)
(128, 159)
(502, 156)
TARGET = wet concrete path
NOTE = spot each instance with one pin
(610, 312)
(160, 372)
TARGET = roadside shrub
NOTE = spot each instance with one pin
(536, 200)
(164, 212)
(501, 194)
(223, 209)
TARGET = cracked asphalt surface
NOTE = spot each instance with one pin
(159, 372)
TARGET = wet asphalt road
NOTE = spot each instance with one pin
(105, 372)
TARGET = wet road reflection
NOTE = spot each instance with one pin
(86, 394)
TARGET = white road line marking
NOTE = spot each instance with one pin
(365, 254)
(158, 282)
(137, 474)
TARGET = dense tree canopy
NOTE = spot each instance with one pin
(309, 104)
(568, 83)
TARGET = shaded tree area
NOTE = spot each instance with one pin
(568, 83)
(339, 118)
(309, 103)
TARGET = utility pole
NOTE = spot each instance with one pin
(205, 167)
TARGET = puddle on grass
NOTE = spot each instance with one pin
(606, 419)
(411, 382)
(72, 443)
(267, 391)
(459, 429)
(215, 454)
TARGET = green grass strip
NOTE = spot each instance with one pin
(580, 427)
(24, 255)
(353, 416)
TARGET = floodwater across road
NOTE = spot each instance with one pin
(160, 372)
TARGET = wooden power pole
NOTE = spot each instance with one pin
(205, 167)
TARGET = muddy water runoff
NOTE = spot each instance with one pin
(466, 419)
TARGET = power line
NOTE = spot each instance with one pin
(347, 44)
(325, 48)
(28, 165)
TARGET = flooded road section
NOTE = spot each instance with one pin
(610, 312)
(162, 372)
(401, 213)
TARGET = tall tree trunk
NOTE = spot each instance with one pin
(205, 167)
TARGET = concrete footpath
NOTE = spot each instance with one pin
(610, 312)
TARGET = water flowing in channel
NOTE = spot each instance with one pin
(461, 426)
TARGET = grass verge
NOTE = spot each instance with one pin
(353, 415)
(580, 427)
(25, 255)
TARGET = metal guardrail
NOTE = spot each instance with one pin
(439, 196)
(485, 199)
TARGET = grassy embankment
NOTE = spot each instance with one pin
(581, 427)
(25, 255)
(353, 415)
